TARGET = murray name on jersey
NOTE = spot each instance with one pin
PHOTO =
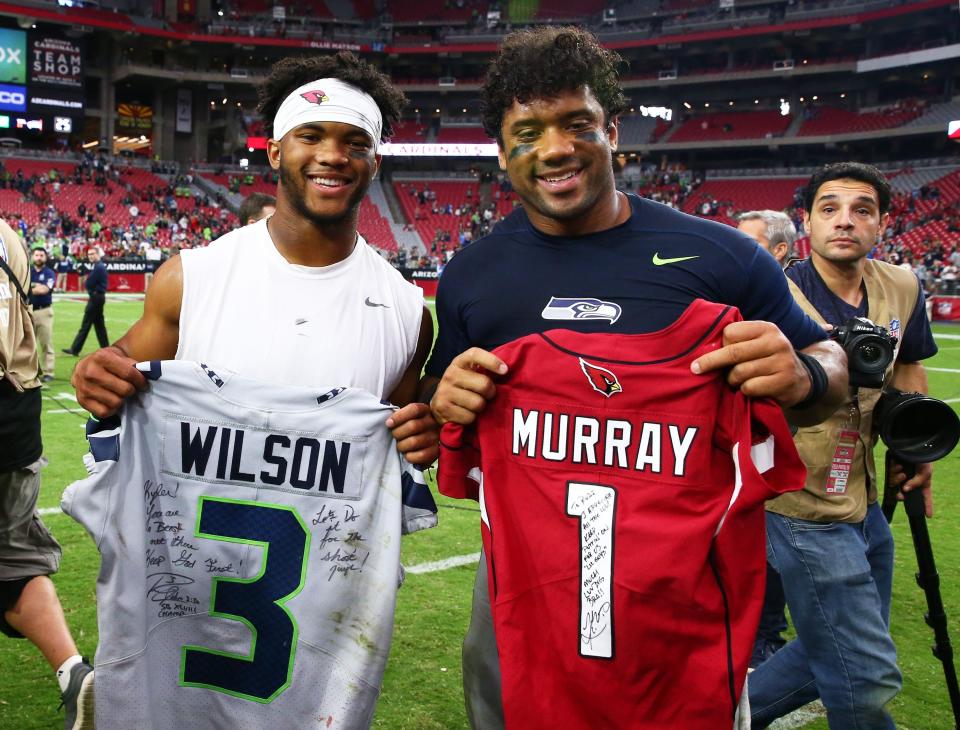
(575, 438)
(327, 465)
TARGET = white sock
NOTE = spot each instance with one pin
(63, 673)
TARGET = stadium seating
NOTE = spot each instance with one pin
(462, 135)
(732, 125)
(742, 194)
(448, 192)
(410, 131)
(832, 120)
(636, 129)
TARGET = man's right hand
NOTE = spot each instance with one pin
(466, 386)
(105, 379)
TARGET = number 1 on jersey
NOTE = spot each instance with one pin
(595, 505)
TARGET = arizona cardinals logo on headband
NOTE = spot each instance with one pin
(315, 97)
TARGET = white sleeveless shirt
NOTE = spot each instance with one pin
(354, 323)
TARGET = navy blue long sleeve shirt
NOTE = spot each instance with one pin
(97, 279)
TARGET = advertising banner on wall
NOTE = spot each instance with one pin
(13, 56)
(184, 110)
(56, 61)
(137, 117)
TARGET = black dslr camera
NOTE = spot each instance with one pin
(869, 349)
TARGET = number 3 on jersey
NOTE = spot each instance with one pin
(258, 602)
(595, 505)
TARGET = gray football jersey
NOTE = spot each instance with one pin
(250, 552)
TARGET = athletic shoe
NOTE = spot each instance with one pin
(47, 378)
(77, 700)
(68, 351)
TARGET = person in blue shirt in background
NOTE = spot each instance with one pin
(93, 314)
(42, 284)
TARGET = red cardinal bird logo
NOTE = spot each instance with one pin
(601, 380)
(315, 97)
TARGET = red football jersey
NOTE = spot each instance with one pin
(622, 509)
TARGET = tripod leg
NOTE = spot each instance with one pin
(929, 580)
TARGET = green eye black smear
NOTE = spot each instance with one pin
(520, 149)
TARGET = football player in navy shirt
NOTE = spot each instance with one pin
(581, 255)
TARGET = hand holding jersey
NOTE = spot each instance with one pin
(325, 136)
(761, 362)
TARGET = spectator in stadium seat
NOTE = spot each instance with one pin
(29, 606)
(256, 206)
(97, 282)
(773, 230)
(830, 542)
(314, 148)
(585, 239)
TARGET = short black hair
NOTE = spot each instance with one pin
(291, 73)
(253, 204)
(859, 171)
(541, 62)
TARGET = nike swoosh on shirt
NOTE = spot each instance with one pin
(375, 304)
(657, 261)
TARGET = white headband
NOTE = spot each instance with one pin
(329, 100)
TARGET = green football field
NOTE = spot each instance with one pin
(421, 689)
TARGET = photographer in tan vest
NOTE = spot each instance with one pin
(29, 607)
(830, 542)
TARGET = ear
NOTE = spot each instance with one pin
(273, 153)
(501, 157)
(377, 159)
(806, 222)
(613, 134)
(884, 222)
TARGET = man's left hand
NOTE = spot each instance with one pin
(922, 480)
(417, 434)
(762, 363)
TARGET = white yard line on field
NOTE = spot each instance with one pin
(437, 565)
(942, 370)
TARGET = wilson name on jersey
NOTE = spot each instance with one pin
(622, 516)
(249, 537)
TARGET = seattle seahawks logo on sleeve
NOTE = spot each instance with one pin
(329, 395)
(217, 380)
(568, 308)
(150, 370)
(601, 380)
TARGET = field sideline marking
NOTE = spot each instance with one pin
(942, 370)
(437, 565)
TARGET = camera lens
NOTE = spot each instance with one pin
(869, 354)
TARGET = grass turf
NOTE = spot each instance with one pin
(422, 684)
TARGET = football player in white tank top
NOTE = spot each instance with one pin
(327, 114)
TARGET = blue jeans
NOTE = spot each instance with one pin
(837, 578)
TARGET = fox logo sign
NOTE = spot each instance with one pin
(601, 380)
(315, 97)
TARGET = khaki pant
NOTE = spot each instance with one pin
(43, 326)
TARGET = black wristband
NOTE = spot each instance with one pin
(818, 380)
